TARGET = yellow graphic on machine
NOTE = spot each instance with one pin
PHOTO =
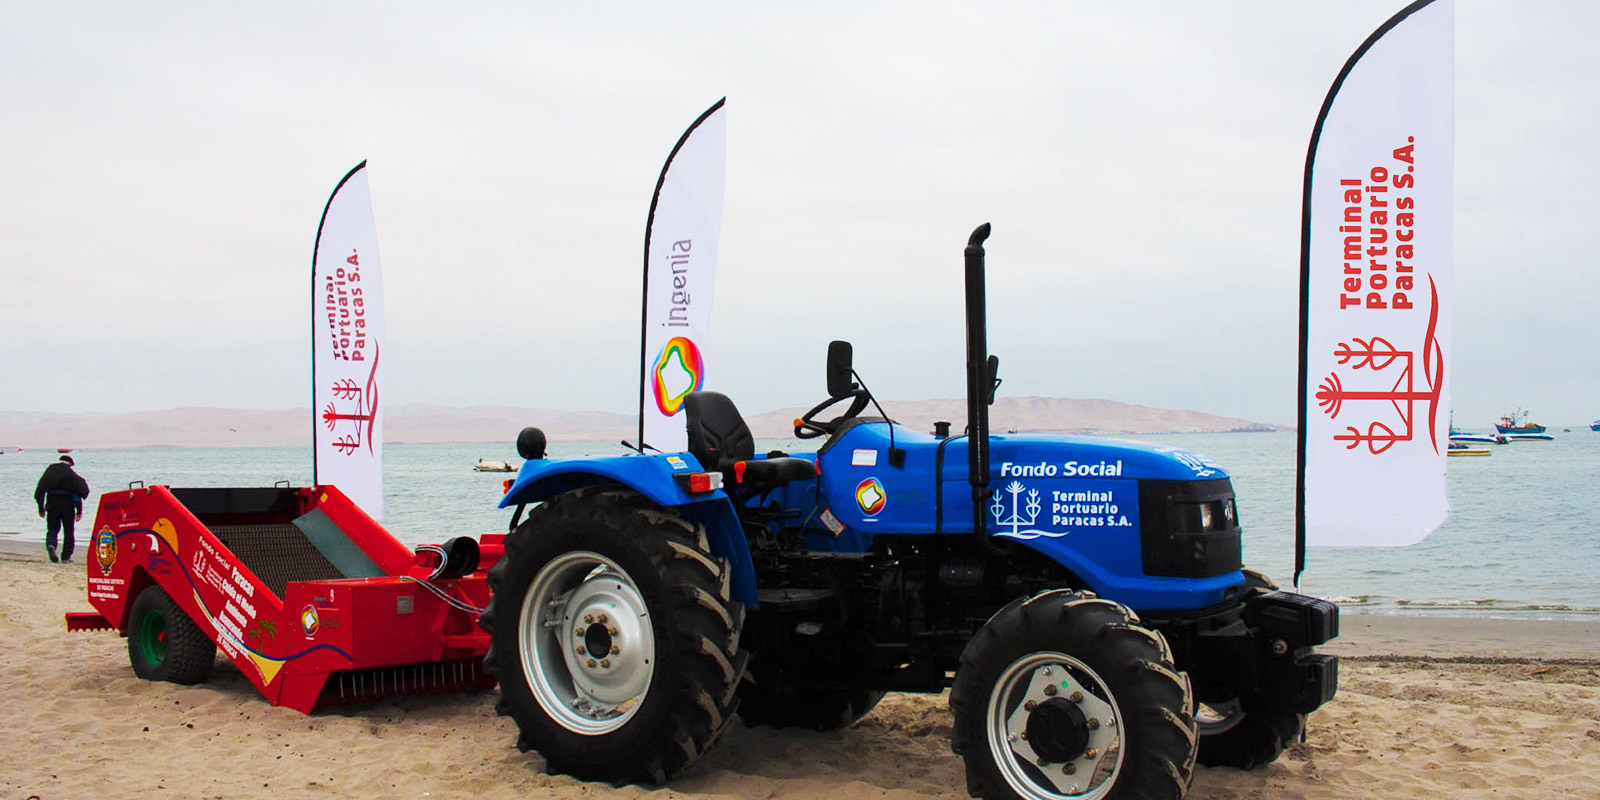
(1053, 509)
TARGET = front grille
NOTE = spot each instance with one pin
(1173, 542)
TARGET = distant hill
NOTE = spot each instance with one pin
(1032, 414)
(222, 427)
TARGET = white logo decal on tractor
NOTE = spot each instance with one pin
(1203, 467)
(1017, 518)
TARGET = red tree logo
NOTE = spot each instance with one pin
(1376, 355)
(360, 414)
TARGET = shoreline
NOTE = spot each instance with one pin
(26, 548)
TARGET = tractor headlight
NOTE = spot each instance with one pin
(1207, 516)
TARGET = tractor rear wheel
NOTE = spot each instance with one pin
(613, 637)
(164, 644)
(1065, 695)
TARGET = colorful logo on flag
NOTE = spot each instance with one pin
(105, 550)
(308, 620)
(679, 370)
(1395, 390)
(871, 497)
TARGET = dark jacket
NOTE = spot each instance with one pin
(59, 480)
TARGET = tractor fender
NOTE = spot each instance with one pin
(652, 476)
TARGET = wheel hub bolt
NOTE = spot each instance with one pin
(1073, 789)
(1088, 755)
(588, 619)
(589, 663)
(1069, 769)
(612, 631)
(1094, 724)
(605, 663)
(1076, 697)
(1042, 761)
(578, 631)
(601, 619)
(1023, 736)
(1279, 647)
(615, 650)
(580, 651)
(1029, 706)
(1050, 690)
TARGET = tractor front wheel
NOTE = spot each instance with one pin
(1065, 695)
(613, 637)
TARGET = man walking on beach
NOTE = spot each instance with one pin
(60, 497)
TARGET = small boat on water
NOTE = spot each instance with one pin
(484, 465)
(1477, 438)
(1529, 437)
(1595, 426)
(1517, 422)
(63, 449)
(1460, 449)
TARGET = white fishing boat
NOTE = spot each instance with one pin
(485, 465)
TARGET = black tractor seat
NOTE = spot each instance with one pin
(720, 439)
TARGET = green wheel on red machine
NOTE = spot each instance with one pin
(164, 644)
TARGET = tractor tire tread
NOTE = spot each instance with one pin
(693, 702)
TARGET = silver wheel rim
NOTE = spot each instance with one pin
(1038, 678)
(587, 646)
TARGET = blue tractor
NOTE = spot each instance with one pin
(1082, 599)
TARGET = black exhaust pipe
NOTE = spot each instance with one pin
(980, 382)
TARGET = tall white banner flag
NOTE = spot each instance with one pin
(680, 271)
(1376, 288)
(347, 334)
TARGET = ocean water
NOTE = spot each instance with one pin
(1523, 539)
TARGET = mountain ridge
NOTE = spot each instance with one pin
(419, 423)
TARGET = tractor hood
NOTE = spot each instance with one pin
(1030, 455)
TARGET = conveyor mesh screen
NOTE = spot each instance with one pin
(277, 554)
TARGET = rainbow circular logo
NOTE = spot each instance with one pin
(871, 497)
(308, 620)
(679, 370)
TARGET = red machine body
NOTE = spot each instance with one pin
(310, 598)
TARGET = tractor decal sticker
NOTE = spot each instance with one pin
(679, 369)
(308, 620)
(1023, 511)
(1201, 466)
(676, 463)
(864, 458)
(871, 497)
(105, 550)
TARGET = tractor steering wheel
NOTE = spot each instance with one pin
(807, 427)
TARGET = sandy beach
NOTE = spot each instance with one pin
(1426, 707)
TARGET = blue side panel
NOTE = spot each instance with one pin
(650, 476)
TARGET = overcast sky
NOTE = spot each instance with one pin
(163, 167)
